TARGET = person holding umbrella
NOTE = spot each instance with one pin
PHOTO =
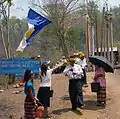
(75, 74)
(102, 65)
(100, 78)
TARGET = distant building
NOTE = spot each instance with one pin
(115, 53)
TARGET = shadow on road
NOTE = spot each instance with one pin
(66, 97)
(92, 105)
(61, 111)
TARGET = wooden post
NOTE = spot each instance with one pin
(107, 39)
(87, 29)
(102, 31)
(107, 32)
(96, 26)
(111, 40)
(92, 39)
(88, 39)
(86, 35)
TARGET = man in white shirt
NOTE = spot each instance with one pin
(75, 74)
(82, 62)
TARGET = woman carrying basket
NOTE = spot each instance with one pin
(100, 78)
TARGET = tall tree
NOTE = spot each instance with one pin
(116, 22)
(61, 12)
(5, 14)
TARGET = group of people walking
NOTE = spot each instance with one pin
(75, 71)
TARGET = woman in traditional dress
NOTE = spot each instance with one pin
(100, 78)
(30, 100)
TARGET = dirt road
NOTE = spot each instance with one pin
(60, 103)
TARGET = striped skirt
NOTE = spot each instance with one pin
(101, 95)
(29, 108)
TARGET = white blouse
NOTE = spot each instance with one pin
(46, 80)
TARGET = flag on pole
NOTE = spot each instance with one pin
(36, 22)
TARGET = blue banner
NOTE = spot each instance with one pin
(19, 65)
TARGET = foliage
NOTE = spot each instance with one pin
(116, 23)
(62, 15)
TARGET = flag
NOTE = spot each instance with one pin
(36, 22)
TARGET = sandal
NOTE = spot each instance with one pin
(46, 115)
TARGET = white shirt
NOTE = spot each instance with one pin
(46, 80)
(82, 63)
(77, 69)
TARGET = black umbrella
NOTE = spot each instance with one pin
(103, 62)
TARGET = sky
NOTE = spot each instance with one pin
(21, 7)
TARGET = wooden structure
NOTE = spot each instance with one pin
(115, 53)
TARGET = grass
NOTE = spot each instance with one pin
(3, 80)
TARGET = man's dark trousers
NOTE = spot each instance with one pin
(76, 93)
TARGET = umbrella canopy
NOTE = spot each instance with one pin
(103, 62)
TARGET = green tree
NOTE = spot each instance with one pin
(62, 15)
(116, 23)
(5, 13)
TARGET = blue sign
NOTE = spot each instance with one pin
(19, 65)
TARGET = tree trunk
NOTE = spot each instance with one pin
(63, 44)
(7, 28)
(97, 46)
(3, 40)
